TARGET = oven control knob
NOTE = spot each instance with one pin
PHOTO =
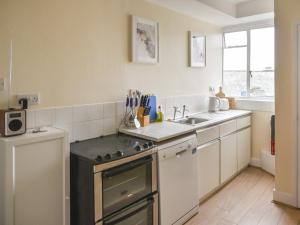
(120, 153)
(108, 156)
(145, 145)
(150, 144)
(138, 148)
(99, 158)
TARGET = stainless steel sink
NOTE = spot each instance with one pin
(191, 120)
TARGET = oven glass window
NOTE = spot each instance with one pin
(140, 213)
(126, 184)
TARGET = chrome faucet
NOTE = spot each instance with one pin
(184, 109)
(176, 110)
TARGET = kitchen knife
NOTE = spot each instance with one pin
(148, 101)
(142, 100)
(145, 101)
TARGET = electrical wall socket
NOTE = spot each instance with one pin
(33, 99)
(2, 84)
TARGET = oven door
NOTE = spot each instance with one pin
(122, 185)
(143, 212)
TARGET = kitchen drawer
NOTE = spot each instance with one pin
(227, 128)
(243, 122)
(207, 135)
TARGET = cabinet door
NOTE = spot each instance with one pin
(228, 157)
(243, 147)
(208, 167)
(39, 184)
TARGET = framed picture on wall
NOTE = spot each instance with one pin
(144, 40)
(197, 50)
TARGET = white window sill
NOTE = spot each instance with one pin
(264, 104)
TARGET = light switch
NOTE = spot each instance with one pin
(2, 84)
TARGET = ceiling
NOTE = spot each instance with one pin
(222, 12)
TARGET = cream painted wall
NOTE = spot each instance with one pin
(76, 52)
(286, 16)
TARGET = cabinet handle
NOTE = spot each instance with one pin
(178, 154)
(207, 144)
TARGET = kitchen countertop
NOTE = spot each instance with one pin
(165, 130)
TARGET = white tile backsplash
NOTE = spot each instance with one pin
(87, 112)
(109, 110)
(109, 126)
(87, 130)
(96, 128)
(80, 113)
(95, 112)
(30, 119)
(170, 103)
(44, 117)
(63, 115)
(81, 131)
(161, 102)
(94, 120)
(121, 108)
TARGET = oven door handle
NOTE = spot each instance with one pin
(150, 202)
(126, 167)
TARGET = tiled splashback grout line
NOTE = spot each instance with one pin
(94, 120)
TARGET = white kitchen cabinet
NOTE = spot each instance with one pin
(208, 134)
(208, 163)
(243, 122)
(243, 148)
(228, 157)
(34, 182)
(227, 128)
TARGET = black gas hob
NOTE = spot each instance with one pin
(109, 148)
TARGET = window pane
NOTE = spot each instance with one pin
(235, 39)
(262, 49)
(235, 83)
(262, 84)
(235, 59)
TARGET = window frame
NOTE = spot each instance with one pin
(248, 69)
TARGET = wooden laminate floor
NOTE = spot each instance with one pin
(246, 200)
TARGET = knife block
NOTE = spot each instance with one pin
(145, 121)
(140, 114)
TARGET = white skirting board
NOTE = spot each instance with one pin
(255, 162)
(285, 198)
(266, 162)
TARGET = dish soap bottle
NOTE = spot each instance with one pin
(159, 115)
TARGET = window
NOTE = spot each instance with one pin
(249, 74)
(235, 63)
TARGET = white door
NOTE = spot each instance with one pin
(228, 157)
(298, 97)
(243, 148)
(208, 163)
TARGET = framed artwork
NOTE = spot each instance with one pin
(197, 56)
(144, 40)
